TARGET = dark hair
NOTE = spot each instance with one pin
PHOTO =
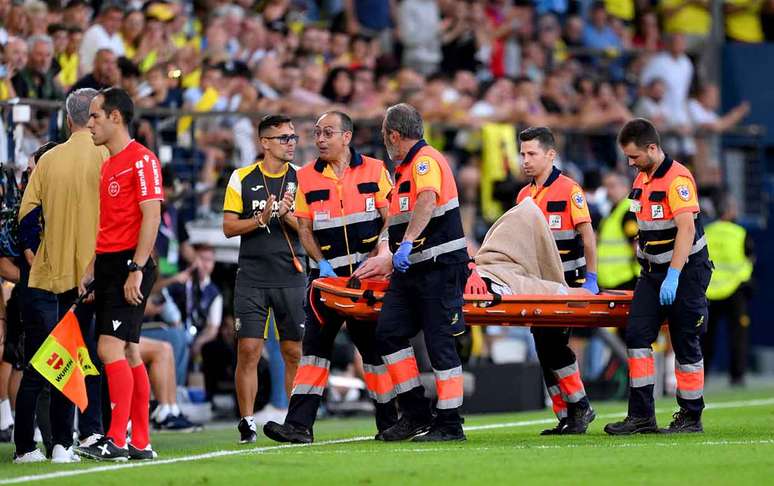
(542, 134)
(328, 90)
(345, 120)
(272, 121)
(42, 150)
(640, 132)
(128, 68)
(54, 28)
(118, 99)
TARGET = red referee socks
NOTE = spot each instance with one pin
(120, 386)
(140, 407)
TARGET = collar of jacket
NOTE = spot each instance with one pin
(355, 160)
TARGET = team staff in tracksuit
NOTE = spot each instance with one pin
(341, 207)
(676, 271)
(431, 268)
(567, 214)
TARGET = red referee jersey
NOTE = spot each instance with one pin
(129, 178)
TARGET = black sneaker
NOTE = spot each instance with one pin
(288, 433)
(442, 433)
(632, 425)
(379, 436)
(406, 428)
(103, 450)
(579, 421)
(684, 422)
(556, 430)
(6, 434)
(247, 432)
(180, 423)
(136, 454)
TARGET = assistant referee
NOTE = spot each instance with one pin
(130, 196)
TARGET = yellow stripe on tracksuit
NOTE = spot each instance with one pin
(266, 326)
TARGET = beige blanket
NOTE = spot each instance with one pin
(519, 252)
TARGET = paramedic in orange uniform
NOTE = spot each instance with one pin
(430, 261)
(341, 207)
(567, 214)
(676, 271)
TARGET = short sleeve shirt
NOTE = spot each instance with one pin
(682, 196)
(128, 179)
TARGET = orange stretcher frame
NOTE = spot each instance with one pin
(608, 309)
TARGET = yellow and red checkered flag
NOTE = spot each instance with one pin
(64, 360)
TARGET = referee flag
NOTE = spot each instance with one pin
(64, 360)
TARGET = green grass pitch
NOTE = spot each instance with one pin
(737, 448)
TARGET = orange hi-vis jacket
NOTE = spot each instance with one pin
(561, 200)
(442, 240)
(655, 201)
(344, 212)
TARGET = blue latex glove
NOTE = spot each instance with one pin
(669, 287)
(326, 270)
(591, 283)
(400, 260)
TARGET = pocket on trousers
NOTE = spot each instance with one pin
(452, 300)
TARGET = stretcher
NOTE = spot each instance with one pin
(362, 300)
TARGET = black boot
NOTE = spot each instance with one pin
(684, 422)
(406, 428)
(632, 425)
(440, 432)
(288, 433)
(556, 430)
(579, 420)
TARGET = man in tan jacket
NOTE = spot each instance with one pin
(63, 191)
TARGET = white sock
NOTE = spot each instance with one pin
(174, 410)
(250, 420)
(6, 417)
(162, 412)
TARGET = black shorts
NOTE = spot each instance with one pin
(115, 316)
(251, 309)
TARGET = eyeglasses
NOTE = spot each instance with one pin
(326, 132)
(284, 139)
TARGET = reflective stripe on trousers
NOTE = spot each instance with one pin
(642, 370)
(448, 384)
(402, 366)
(557, 402)
(379, 383)
(312, 376)
(690, 380)
(570, 383)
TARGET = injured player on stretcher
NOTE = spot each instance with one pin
(519, 256)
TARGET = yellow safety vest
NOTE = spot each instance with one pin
(725, 241)
(616, 263)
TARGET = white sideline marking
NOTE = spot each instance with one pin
(611, 445)
(523, 423)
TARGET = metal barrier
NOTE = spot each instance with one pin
(742, 153)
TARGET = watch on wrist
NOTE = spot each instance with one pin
(133, 266)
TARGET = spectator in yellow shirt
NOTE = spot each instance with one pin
(743, 20)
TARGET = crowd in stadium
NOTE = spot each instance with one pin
(582, 68)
